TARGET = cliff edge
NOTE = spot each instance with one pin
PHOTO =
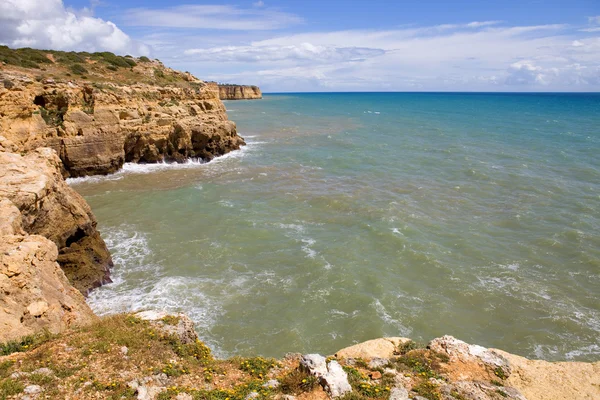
(98, 110)
(239, 92)
(154, 355)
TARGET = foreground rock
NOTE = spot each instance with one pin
(239, 92)
(36, 294)
(154, 355)
(545, 380)
(35, 200)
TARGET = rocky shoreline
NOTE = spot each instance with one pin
(53, 126)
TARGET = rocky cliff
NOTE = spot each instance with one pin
(35, 200)
(76, 114)
(239, 92)
(144, 112)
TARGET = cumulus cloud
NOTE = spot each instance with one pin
(222, 17)
(525, 73)
(48, 24)
(302, 51)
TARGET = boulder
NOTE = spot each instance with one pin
(179, 325)
(376, 348)
(330, 374)
(36, 294)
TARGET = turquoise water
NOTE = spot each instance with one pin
(354, 216)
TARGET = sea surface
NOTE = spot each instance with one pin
(349, 217)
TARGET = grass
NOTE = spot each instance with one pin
(93, 67)
(10, 387)
(499, 372)
(405, 347)
(423, 362)
(78, 69)
(257, 366)
(25, 343)
(428, 390)
(297, 382)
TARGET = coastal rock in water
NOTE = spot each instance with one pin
(36, 294)
(376, 348)
(239, 92)
(179, 325)
(50, 208)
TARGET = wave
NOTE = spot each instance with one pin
(143, 168)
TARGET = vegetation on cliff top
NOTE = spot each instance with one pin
(94, 67)
(115, 356)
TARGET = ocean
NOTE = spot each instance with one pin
(352, 216)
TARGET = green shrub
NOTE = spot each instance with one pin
(144, 59)
(78, 69)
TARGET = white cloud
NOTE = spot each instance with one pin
(259, 3)
(302, 51)
(472, 56)
(48, 24)
(222, 17)
(594, 20)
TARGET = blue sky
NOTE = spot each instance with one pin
(461, 45)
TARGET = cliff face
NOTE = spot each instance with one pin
(37, 201)
(95, 127)
(76, 114)
(239, 92)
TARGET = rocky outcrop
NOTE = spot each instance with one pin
(95, 128)
(239, 92)
(544, 380)
(36, 294)
(35, 200)
(466, 371)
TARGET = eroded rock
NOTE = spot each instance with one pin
(49, 207)
(36, 294)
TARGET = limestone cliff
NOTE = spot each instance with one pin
(143, 113)
(239, 92)
(37, 201)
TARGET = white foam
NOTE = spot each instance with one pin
(388, 319)
(592, 349)
(310, 253)
(135, 168)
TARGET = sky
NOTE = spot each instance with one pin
(314, 46)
